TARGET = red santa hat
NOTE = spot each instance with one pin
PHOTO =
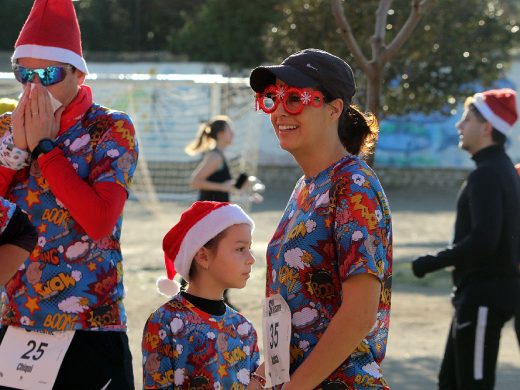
(200, 223)
(498, 106)
(51, 32)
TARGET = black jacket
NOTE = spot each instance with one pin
(486, 245)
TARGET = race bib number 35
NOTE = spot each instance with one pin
(31, 360)
(276, 323)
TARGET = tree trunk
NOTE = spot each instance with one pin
(381, 53)
(373, 103)
(374, 85)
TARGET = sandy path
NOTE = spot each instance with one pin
(421, 310)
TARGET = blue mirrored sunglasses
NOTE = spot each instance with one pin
(48, 76)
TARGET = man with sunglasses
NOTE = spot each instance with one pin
(68, 163)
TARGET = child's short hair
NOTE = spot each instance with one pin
(212, 245)
(198, 225)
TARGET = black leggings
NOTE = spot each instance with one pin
(93, 360)
(471, 352)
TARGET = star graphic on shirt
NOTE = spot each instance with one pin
(42, 228)
(42, 183)
(222, 371)
(92, 266)
(32, 304)
(32, 198)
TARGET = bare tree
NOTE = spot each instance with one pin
(381, 53)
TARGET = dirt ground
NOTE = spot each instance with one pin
(421, 310)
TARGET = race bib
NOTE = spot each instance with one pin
(31, 360)
(276, 323)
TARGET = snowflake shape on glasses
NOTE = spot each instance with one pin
(280, 91)
(306, 97)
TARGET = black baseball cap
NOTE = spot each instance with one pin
(313, 68)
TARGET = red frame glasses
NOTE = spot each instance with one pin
(293, 99)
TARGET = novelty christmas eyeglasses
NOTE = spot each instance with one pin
(293, 99)
(48, 76)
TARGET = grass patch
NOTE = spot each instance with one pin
(402, 274)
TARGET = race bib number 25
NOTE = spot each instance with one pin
(31, 360)
(276, 323)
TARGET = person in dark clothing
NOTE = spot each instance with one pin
(212, 177)
(485, 247)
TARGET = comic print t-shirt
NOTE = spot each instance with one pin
(336, 224)
(7, 210)
(70, 281)
(184, 347)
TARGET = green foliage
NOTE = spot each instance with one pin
(228, 31)
(112, 25)
(14, 14)
(132, 25)
(455, 45)
(430, 72)
(102, 21)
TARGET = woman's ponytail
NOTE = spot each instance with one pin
(202, 141)
(207, 135)
(358, 132)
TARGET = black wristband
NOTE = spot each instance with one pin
(44, 146)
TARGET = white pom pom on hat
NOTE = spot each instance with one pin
(51, 32)
(197, 225)
(498, 106)
(168, 287)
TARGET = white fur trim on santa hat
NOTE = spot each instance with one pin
(50, 53)
(168, 287)
(498, 123)
(204, 230)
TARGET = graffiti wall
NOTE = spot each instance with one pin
(418, 140)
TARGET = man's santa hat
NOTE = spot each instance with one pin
(498, 106)
(51, 32)
(200, 223)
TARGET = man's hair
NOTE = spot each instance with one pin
(498, 137)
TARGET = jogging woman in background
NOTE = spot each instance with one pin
(212, 176)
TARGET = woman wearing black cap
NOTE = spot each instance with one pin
(329, 262)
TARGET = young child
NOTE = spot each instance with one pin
(195, 340)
